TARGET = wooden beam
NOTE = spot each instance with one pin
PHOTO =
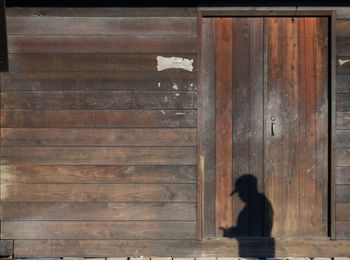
(3, 38)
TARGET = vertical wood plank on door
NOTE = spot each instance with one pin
(223, 123)
(241, 118)
(256, 147)
(207, 142)
(310, 127)
(273, 108)
(321, 112)
(290, 125)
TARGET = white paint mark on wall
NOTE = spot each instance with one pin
(177, 94)
(158, 84)
(342, 62)
(176, 87)
(164, 63)
(163, 112)
(180, 113)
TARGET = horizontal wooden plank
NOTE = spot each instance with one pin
(342, 212)
(102, 12)
(343, 83)
(343, 102)
(35, 25)
(98, 174)
(87, 62)
(342, 175)
(98, 230)
(342, 229)
(343, 46)
(343, 193)
(106, 100)
(342, 138)
(101, 81)
(343, 65)
(98, 137)
(342, 28)
(98, 119)
(99, 155)
(342, 157)
(343, 120)
(343, 12)
(98, 192)
(245, 247)
(99, 211)
(101, 44)
(6, 248)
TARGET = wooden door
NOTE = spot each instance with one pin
(271, 125)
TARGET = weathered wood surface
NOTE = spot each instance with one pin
(98, 174)
(343, 193)
(102, 12)
(223, 117)
(99, 211)
(111, 100)
(228, 247)
(343, 175)
(98, 230)
(98, 137)
(343, 102)
(99, 81)
(99, 155)
(102, 44)
(97, 119)
(343, 138)
(343, 157)
(98, 192)
(89, 62)
(6, 248)
(343, 83)
(49, 25)
(343, 212)
(206, 127)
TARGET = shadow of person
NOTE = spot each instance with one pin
(254, 220)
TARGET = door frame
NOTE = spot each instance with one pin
(206, 100)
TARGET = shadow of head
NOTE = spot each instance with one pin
(242, 184)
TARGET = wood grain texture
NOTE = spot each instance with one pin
(98, 137)
(343, 46)
(343, 157)
(223, 112)
(342, 28)
(342, 230)
(99, 81)
(36, 25)
(97, 119)
(343, 138)
(273, 107)
(102, 12)
(88, 62)
(98, 192)
(343, 193)
(343, 102)
(342, 212)
(206, 127)
(101, 174)
(343, 83)
(98, 230)
(343, 120)
(99, 211)
(343, 175)
(85, 100)
(102, 44)
(99, 155)
(225, 248)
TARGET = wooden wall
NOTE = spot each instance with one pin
(99, 148)
(96, 143)
(343, 127)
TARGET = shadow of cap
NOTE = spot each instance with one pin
(243, 182)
